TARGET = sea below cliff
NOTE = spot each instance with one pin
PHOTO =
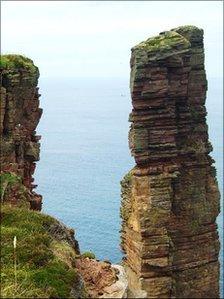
(84, 155)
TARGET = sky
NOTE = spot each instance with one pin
(92, 39)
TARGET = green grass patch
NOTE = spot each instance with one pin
(13, 61)
(164, 42)
(89, 254)
(8, 179)
(41, 273)
(11, 186)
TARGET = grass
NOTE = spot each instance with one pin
(43, 267)
(11, 184)
(7, 179)
(13, 61)
(164, 42)
(89, 254)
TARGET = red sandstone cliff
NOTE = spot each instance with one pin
(20, 114)
(170, 199)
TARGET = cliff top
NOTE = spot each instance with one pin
(178, 39)
(16, 68)
(165, 41)
(188, 28)
(14, 61)
(190, 32)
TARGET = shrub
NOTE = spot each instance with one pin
(89, 254)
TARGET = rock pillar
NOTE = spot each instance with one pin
(170, 199)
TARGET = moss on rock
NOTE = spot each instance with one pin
(126, 185)
(166, 42)
(14, 61)
(18, 70)
(13, 190)
(89, 255)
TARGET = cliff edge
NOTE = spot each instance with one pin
(20, 115)
(44, 257)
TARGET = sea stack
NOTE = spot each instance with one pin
(170, 199)
(20, 114)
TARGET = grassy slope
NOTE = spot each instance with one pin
(45, 263)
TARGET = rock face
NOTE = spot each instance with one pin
(170, 199)
(99, 277)
(20, 114)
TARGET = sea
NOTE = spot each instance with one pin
(85, 154)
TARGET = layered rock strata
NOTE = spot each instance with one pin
(170, 199)
(20, 114)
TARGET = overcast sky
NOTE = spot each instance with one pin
(93, 39)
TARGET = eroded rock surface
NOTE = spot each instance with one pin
(101, 279)
(20, 114)
(170, 199)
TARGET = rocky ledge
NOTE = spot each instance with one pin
(170, 199)
(102, 279)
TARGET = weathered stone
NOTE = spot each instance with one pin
(20, 114)
(170, 199)
(32, 150)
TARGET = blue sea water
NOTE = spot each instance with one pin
(84, 155)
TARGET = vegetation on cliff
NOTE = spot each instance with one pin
(12, 187)
(15, 61)
(19, 116)
(45, 256)
(18, 70)
(165, 42)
